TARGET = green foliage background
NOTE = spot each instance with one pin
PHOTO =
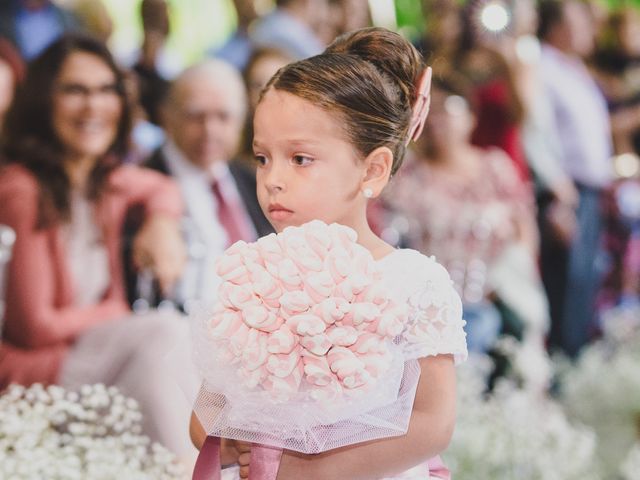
(196, 25)
(200, 24)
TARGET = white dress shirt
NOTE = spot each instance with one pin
(206, 238)
(87, 255)
(581, 118)
(540, 139)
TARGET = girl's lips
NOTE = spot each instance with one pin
(278, 212)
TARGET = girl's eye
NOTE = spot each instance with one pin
(260, 160)
(302, 160)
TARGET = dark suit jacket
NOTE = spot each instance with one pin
(246, 185)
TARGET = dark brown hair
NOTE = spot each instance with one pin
(367, 77)
(155, 16)
(29, 138)
(550, 14)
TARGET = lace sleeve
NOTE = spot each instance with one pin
(435, 325)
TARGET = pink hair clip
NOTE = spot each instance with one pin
(420, 108)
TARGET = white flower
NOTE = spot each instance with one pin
(515, 434)
(602, 389)
(519, 432)
(630, 469)
(94, 433)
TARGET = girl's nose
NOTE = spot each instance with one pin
(275, 178)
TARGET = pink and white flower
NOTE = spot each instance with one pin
(304, 312)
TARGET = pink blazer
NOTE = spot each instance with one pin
(41, 322)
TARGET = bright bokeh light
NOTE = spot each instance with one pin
(494, 16)
(528, 49)
(627, 165)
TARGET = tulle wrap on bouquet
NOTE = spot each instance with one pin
(301, 350)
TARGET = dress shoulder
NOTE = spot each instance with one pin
(435, 325)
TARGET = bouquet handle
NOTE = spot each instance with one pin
(265, 461)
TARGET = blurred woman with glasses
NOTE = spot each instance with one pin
(65, 192)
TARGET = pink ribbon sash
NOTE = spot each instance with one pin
(437, 469)
(265, 462)
(208, 465)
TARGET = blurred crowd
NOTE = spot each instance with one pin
(125, 179)
(525, 182)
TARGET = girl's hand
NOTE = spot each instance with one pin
(563, 222)
(235, 451)
(160, 247)
(244, 458)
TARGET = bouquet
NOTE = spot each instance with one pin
(94, 433)
(300, 350)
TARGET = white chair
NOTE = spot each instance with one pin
(7, 239)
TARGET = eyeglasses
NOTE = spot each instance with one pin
(203, 116)
(79, 92)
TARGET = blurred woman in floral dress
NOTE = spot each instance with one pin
(468, 208)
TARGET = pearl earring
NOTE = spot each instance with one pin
(368, 193)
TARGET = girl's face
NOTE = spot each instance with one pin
(307, 170)
(86, 106)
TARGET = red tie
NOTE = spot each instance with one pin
(227, 217)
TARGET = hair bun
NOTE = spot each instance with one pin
(369, 77)
(389, 52)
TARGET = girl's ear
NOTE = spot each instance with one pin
(377, 171)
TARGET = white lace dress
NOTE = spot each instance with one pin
(435, 322)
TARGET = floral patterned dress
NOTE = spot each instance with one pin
(465, 223)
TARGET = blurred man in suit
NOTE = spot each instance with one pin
(203, 116)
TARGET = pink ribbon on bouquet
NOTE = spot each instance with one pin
(265, 461)
(437, 469)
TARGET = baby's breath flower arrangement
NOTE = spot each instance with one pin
(602, 389)
(515, 433)
(95, 433)
(630, 469)
(591, 432)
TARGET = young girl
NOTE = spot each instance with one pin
(329, 132)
